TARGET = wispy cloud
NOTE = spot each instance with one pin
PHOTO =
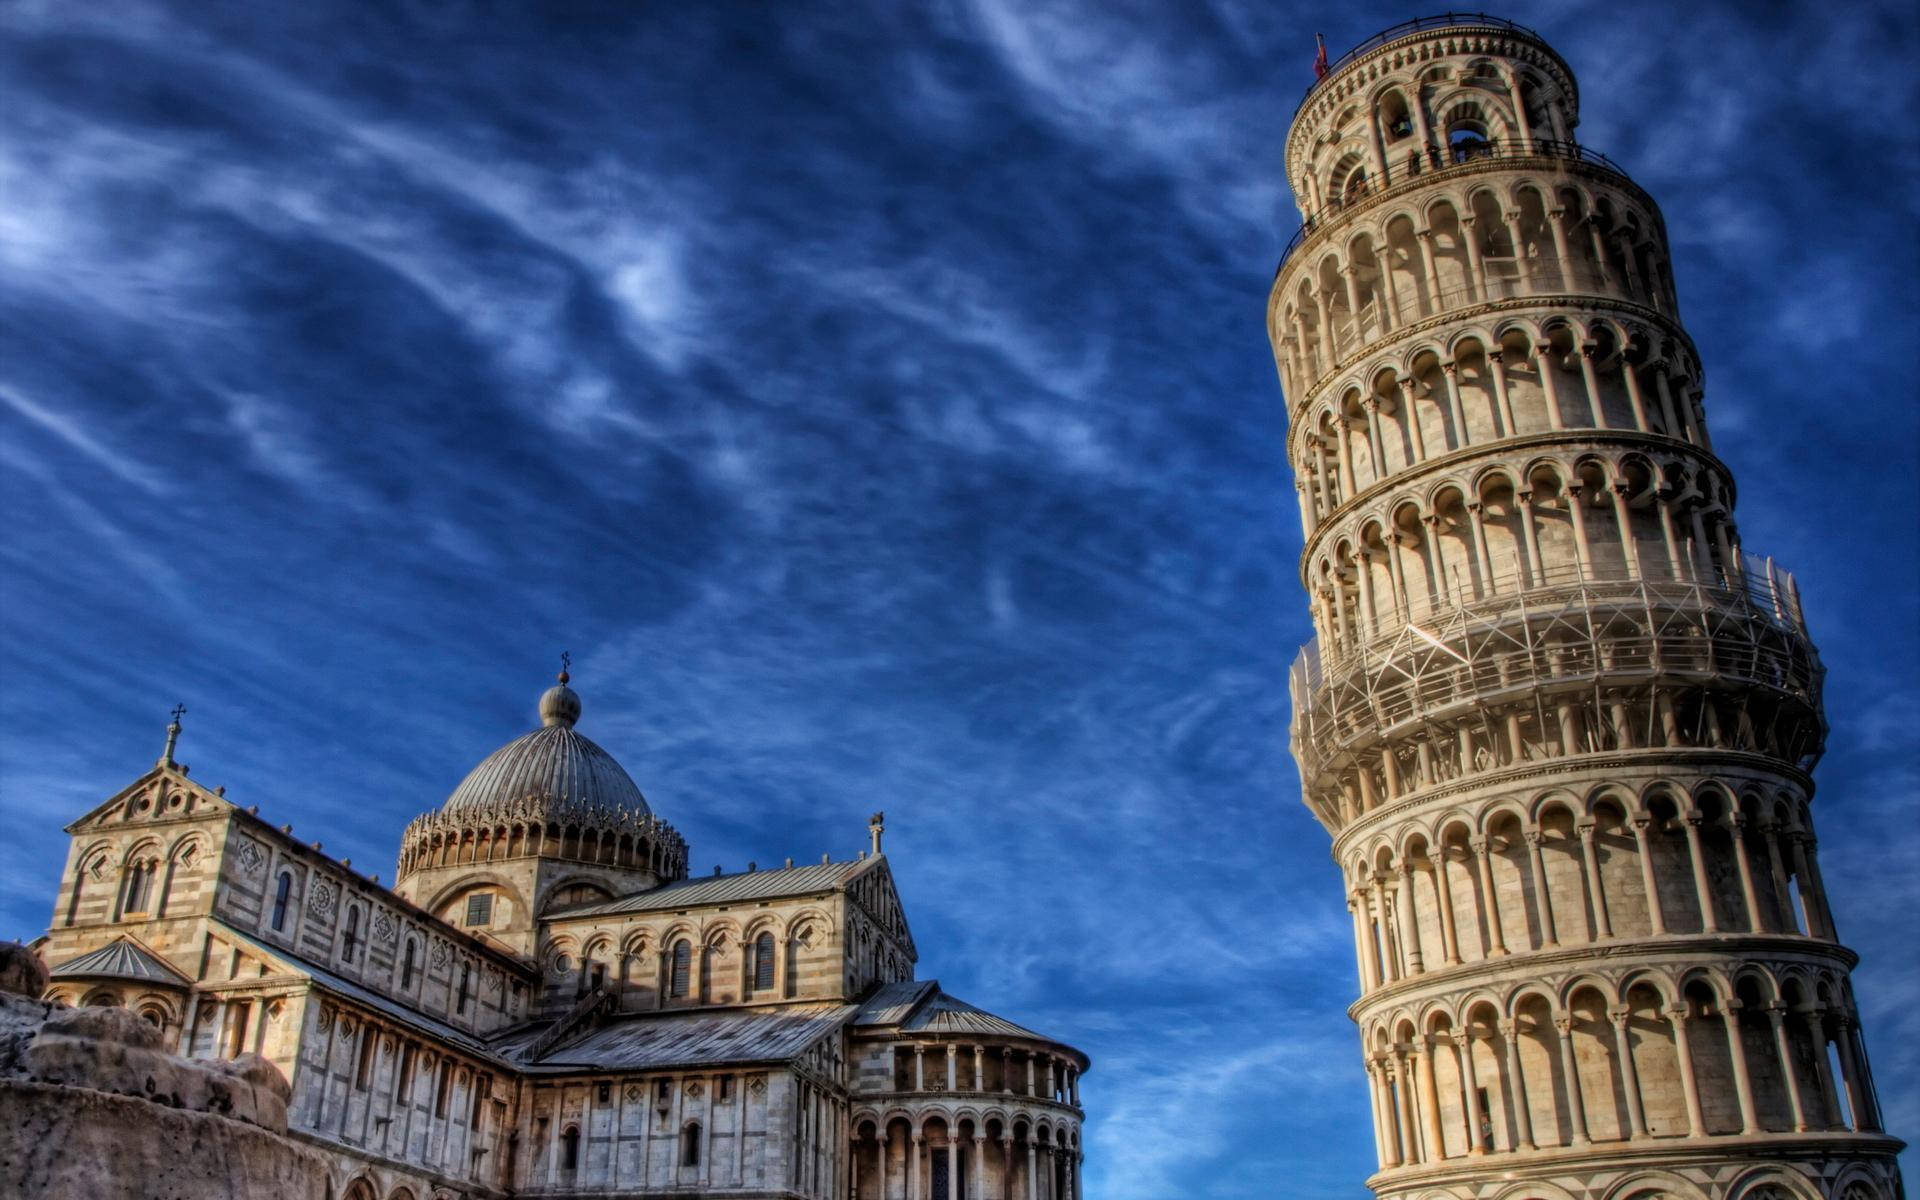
(875, 402)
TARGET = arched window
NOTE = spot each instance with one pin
(763, 962)
(281, 890)
(466, 987)
(1467, 140)
(139, 887)
(351, 944)
(570, 1148)
(690, 1145)
(407, 967)
(682, 968)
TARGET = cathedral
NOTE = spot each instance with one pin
(544, 1003)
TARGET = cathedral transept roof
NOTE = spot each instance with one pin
(122, 958)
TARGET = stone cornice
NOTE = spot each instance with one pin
(1711, 1150)
(1616, 954)
(1559, 304)
(1651, 759)
(1499, 451)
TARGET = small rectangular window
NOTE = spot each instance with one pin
(726, 1087)
(403, 1078)
(446, 1086)
(369, 1039)
(480, 909)
(481, 1091)
(604, 1093)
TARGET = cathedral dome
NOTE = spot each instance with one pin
(553, 767)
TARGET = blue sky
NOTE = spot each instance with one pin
(874, 399)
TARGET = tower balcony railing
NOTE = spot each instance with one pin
(1417, 25)
(1559, 628)
(1416, 167)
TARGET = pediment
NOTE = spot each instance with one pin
(874, 892)
(163, 794)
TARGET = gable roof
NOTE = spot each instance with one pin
(728, 889)
(347, 989)
(919, 1006)
(122, 958)
(650, 1041)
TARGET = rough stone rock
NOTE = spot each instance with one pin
(91, 1105)
(21, 971)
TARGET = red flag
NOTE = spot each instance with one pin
(1320, 59)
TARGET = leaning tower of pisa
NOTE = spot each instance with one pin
(1558, 720)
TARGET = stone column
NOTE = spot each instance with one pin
(1709, 922)
(1782, 893)
(1425, 238)
(1362, 944)
(1549, 938)
(1536, 569)
(1387, 957)
(1603, 272)
(914, 1190)
(1483, 850)
(1031, 1174)
(1676, 561)
(953, 1073)
(1430, 1100)
(1737, 826)
(1462, 436)
(1469, 1092)
(1383, 1135)
(1030, 1073)
(979, 1189)
(1517, 1087)
(1477, 530)
(1630, 375)
(1742, 1078)
(1408, 386)
(1554, 219)
(1363, 576)
(1813, 887)
(1528, 285)
(1783, 1046)
(1641, 824)
(1474, 261)
(1850, 1076)
(1577, 513)
(1576, 1102)
(1592, 383)
(979, 1068)
(1596, 886)
(1410, 920)
(1403, 1080)
(953, 1165)
(1374, 440)
(1449, 937)
(1543, 354)
(1823, 1069)
(1503, 407)
(1629, 1073)
(1623, 519)
(1683, 1050)
(1344, 452)
(1006, 1071)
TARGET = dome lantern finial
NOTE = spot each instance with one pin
(560, 704)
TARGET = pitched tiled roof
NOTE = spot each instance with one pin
(893, 1002)
(121, 958)
(945, 1014)
(650, 1041)
(725, 889)
(919, 1006)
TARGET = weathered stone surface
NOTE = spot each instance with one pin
(90, 1105)
(21, 973)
